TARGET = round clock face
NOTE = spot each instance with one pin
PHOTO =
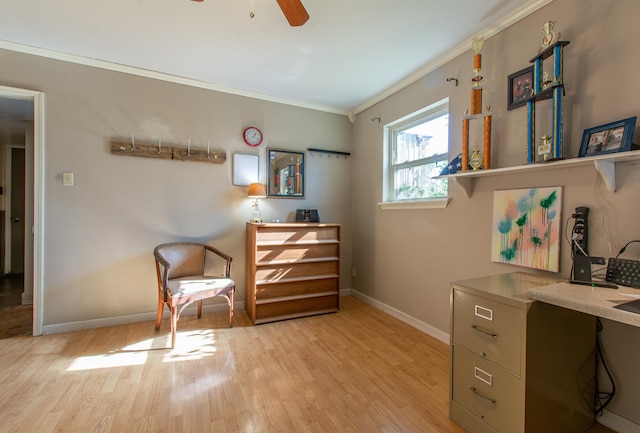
(252, 136)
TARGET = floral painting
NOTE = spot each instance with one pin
(526, 227)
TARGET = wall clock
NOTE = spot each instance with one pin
(252, 136)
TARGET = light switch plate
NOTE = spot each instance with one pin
(67, 178)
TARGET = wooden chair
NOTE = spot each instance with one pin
(180, 267)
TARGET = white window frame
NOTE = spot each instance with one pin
(390, 130)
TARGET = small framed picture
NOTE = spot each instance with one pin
(610, 138)
(519, 87)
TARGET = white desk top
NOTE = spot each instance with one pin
(597, 301)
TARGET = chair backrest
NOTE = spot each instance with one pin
(185, 259)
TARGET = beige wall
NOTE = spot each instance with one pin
(99, 234)
(406, 258)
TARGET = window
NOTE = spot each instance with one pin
(417, 149)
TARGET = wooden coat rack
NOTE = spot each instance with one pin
(162, 151)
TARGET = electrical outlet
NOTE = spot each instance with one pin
(353, 273)
(67, 178)
(580, 234)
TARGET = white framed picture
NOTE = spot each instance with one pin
(246, 169)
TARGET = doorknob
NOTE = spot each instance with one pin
(15, 219)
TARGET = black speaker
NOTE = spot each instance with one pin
(307, 216)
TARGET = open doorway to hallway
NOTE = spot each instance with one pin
(15, 319)
(16, 216)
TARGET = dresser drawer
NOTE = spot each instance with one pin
(294, 271)
(268, 312)
(307, 288)
(290, 253)
(488, 392)
(490, 329)
(296, 234)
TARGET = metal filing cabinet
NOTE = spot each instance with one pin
(518, 365)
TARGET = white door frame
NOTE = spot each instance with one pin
(38, 195)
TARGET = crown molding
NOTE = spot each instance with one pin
(452, 54)
(117, 67)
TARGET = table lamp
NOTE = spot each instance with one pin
(256, 191)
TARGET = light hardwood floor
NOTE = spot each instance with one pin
(359, 370)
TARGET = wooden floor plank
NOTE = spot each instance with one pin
(359, 370)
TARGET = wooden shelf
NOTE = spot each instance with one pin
(604, 164)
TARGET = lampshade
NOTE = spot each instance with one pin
(256, 190)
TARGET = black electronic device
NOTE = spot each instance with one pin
(624, 272)
(307, 215)
(581, 268)
(603, 284)
(580, 233)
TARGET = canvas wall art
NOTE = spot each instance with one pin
(526, 227)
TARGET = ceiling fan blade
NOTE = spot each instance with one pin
(294, 11)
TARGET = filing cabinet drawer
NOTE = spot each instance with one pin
(491, 394)
(490, 329)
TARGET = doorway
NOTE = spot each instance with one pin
(24, 167)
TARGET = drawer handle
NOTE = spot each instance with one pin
(479, 329)
(475, 391)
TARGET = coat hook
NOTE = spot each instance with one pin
(373, 119)
(453, 79)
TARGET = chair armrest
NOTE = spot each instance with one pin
(214, 250)
(162, 261)
(225, 256)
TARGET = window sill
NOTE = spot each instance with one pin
(439, 203)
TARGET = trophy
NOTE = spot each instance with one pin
(544, 149)
(550, 37)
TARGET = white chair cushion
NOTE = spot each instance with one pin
(189, 286)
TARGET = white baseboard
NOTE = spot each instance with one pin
(58, 328)
(409, 320)
(617, 423)
(132, 318)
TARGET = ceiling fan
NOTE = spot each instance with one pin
(293, 10)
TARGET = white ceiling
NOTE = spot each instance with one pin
(350, 54)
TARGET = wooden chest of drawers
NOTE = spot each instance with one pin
(292, 270)
(518, 365)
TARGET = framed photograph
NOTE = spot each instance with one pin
(519, 87)
(610, 138)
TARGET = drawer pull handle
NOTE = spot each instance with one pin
(483, 312)
(479, 329)
(475, 391)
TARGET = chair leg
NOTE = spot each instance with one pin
(231, 309)
(199, 309)
(160, 311)
(174, 324)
